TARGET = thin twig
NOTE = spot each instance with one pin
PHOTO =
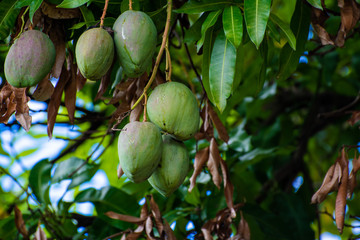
(168, 62)
(130, 5)
(145, 103)
(332, 217)
(338, 112)
(18, 183)
(158, 59)
(22, 24)
(104, 13)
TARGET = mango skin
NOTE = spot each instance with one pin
(135, 39)
(173, 167)
(94, 53)
(29, 59)
(173, 108)
(139, 149)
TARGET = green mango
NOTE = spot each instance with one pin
(29, 59)
(94, 53)
(173, 167)
(173, 108)
(135, 39)
(139, 149)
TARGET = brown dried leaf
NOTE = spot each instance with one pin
(40, 234)
(206, 118)
(55, 100)
(228, 187)
(323, 35)
(70, 94)
(330, 183)
(7, 102)
(340, 203)
(169, 234)
(149, 228)
(120, 172)
(22, 109)
(24, 119)
(131, 92)
(355, 117)
(206, 230)
(243, 228)
(133, 236)
(121, 90)
(200, 159)
(199, 135)
(351, 184)
(223, 135)
(59, 13)
(356, 164)
(350, 14)
(44, 90)
(125, 218)
(104, 84)
(144, 211)
(318, 19)
(120, 113)
(136, 113)
(213, 163)
(157, 215)
(19, 222)
(80, 80)
(57, 36)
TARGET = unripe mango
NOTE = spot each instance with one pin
(173, 107)
(135, 38)
(94, 53)
(29, 59)
(139, 149)
(173, 167)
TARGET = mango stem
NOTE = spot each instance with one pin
(104, 13)
(158, 58)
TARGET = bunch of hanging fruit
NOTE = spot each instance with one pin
(144, 153)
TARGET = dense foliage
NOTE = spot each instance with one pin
(277, 85)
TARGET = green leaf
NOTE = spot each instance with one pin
(8, 15)
(40, 176)
(233, 25)
(87, 15)
(109, 198)
(256, 17)
(286, 30)
(203, 6)
(208, 45)
(209, 22)
(72, 3)
(34, 6)
(8, 228)
(27, 152)
(239, 66)
(222, 70)
(194, 32)
(80, 170)
(289, 58)
(23, 3)
(193, 197)
(273, 32)
(315, 3)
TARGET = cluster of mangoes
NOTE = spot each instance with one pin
(32, 55)
(172, 107)
(164, 161)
